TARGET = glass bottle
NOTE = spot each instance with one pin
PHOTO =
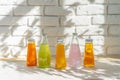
(89, 54)
(31, 53)
(60, 55)
(44, 53)
(74, 59)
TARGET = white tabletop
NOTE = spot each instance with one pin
(105, 69)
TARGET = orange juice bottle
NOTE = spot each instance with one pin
(89, 54)
(60, 55)
(31, 53)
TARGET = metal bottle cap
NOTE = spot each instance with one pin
(59, 41)
(89, 40)
(31, 39)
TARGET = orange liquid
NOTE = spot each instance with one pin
(60, 57)
(31, 55)
(89, 55)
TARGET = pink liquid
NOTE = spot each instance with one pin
(74, 59)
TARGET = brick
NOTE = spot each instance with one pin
(99, 1)
(94, 30)
(6, 10)
(14, 41)
(114, 19)
(100, 19)
(91, 9)
(114, 1)
(59, 11)
(21, 31)
(36, 31)
(51, 31)
(114, 9)
(52, 41)
(43, 21)
(114, 30)
(75, 20)
(58, 31)
(43, 2)
(73, 2)
(12, 20)
(11, 2)
(112, 41)
(79, 2)
(113, 50)
(5, 30)
(28, 10)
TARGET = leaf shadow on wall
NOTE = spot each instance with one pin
(17, 29)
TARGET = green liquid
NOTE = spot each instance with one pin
(44, 56)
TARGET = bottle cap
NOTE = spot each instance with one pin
(60, 41)
(31, 39)
(89, 40)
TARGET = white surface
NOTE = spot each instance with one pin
(17, 70)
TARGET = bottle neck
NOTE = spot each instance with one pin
(44, 39)
(74, 39)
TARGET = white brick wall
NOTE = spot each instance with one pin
(28, 10)
(21, 19)
(75, 20)
(43, 2)
(13, 20)
(59, 11)
(114, 9)
(91, 9)
(43, 21)
(13, 2)
(114, 1)
(99, 19)
(114, 30)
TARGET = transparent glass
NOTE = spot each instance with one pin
(74, 59)
(60, 55)
(31, 53)
(89, 54)
(44, 57)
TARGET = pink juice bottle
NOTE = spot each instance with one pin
(74, 59)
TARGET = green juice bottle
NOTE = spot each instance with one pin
(44, 57)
